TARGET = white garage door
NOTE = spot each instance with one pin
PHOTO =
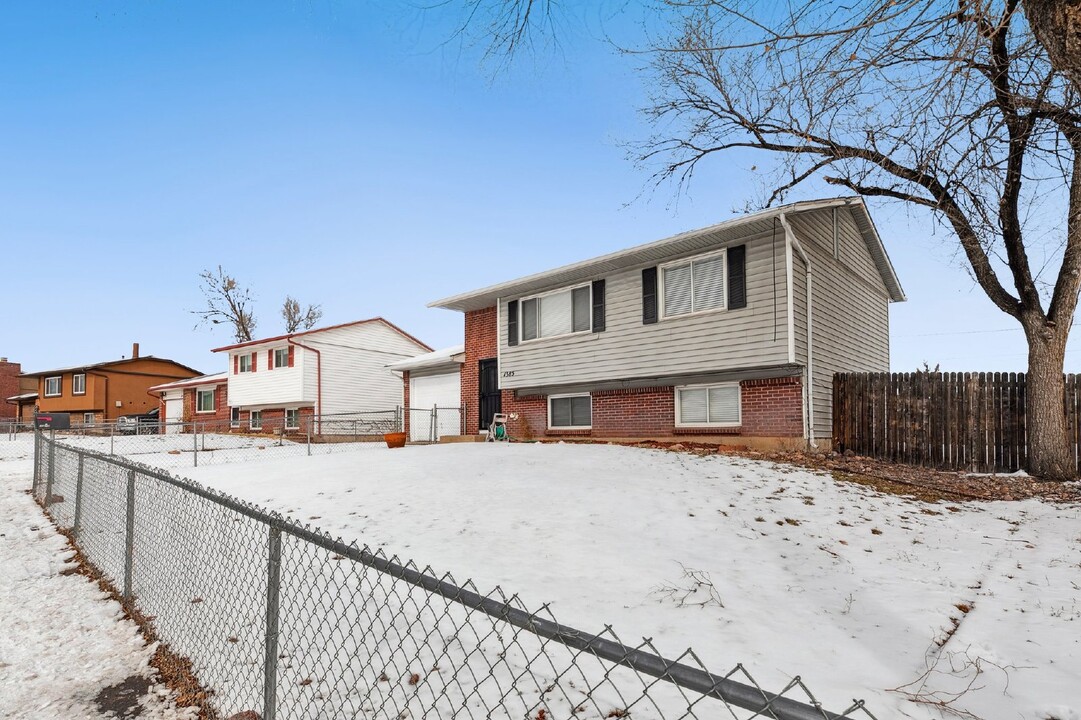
(174, 413)
(434, 391)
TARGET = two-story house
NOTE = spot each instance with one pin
(731, 330)
(102, 392)
(329, 371)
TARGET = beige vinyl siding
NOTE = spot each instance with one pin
(850, 306)
(753, 336)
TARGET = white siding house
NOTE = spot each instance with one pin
(327, 371)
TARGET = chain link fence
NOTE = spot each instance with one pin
(281, 619)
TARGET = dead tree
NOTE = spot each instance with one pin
(226, 303)
(297, 319)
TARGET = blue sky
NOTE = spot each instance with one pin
(342, 153)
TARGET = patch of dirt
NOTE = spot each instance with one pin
(921, 483)
(123, 699)
(175, 670)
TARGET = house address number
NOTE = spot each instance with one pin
(508, 373)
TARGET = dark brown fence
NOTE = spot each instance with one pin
(951, 421)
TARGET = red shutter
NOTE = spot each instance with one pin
(269, 359)
(291, 348)
(236, 364)
(254, 361)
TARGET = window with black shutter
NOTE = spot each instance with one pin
(649, 296)
(737, 277)
(512, 322)
(598, 306)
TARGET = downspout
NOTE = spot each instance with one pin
(318, 383)
(790, 239)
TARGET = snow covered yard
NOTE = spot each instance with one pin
(970, 605)
(62, 641)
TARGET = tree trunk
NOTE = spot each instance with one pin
(1050, 457)
(1057, 25)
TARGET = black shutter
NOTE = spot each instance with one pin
(649, 296)
(512, 322)
(737, 277)
(598, 306)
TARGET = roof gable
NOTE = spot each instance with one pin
(670, 248)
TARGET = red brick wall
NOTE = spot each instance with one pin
(9, 386)
(481, 343)
(772, 407)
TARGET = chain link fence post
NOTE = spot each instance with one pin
(52, 469)
(129, 537)
(37, 462)
(195, 443)
(309, 439)
(270, 660)
(78, 522)
(112, 437)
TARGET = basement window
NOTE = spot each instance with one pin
(708, 405)
(570, 412)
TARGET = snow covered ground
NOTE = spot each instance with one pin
(906, 604)
(62, 641)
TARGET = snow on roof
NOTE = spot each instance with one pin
(215, 379)
(432, 359)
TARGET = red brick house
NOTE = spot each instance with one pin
(199, 399)
(730, 333)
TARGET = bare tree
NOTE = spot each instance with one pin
(295, 319)
(970, 110)
(226, 303)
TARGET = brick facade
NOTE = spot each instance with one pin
(481, 343)
(9, 387)
(771, 408)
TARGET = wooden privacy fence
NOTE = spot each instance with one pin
(950, 421)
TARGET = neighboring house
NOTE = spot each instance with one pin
(18, 393)
(203, 399)
(327, 371)
(432, 381)
(102, 392)
(735, 329)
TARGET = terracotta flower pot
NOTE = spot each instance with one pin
(395, 439)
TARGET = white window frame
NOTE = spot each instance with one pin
(240, 363)
(570, 427)
(75, 385)
(59, 386)
(662, 314)
(89, 418)
(541, 296)
(251, 420)
(234, 417)
(296, 419)
(213, 401)
(283, 364)
(707, 424)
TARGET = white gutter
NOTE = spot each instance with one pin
(790, 243)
